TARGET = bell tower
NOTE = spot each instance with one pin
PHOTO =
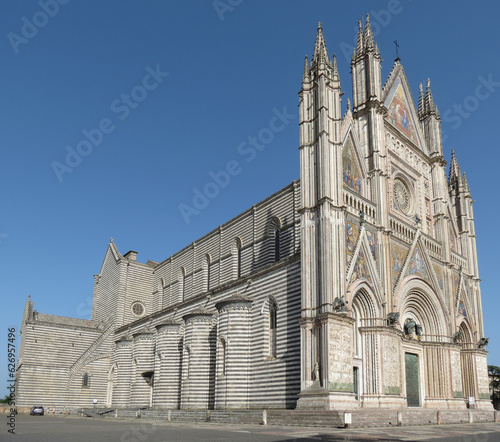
(323, 261)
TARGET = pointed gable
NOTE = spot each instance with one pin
(402, 113)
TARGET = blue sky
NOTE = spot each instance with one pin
(167, 91)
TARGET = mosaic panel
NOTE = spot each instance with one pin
(361, 269)
(417, 266)
(398, 255)
(371, 243)
(399, 114)
(352, 174)
(352, 235)
(439, 273)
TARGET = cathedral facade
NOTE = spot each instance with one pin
(355, 286)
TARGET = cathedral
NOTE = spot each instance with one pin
(355, 286)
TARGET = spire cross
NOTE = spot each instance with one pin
(397, 50)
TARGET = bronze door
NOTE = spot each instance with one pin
(412, 382)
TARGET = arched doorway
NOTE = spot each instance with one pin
(425, 324)
(466, 360)
(365, 312)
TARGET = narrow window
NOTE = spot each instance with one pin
(236, 252)
(272, 329)
(85, 380)
(182, 283)
(206, 265)
(222, 357)
(276, 245)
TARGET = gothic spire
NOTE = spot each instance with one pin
(359, 45)
(368, 36)
(465, 183)
(430, 107)
(320, 54)
(335, 68)
(421, 101)
(306, 68)
(454, 168)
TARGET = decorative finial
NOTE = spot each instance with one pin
(397, 51)
(29, 297)
(334, 65)
(348, 104)
(111, 240)
(320, 26)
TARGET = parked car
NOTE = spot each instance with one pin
(37, 410)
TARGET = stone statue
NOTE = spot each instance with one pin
(418, 330)
(362, 217)
(457, 337)
(410, 325)
(392, 318)
(483, 342)
(339, 304)
(316, 372)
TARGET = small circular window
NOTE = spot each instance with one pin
(138, 308)
(402, 196)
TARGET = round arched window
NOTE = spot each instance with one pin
(138, 308)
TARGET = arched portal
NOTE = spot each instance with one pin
(467, 360)
(365, 312)
(426, 325)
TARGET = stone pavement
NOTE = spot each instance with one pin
(79, 429)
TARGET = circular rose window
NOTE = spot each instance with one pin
(138, 308)
(402, 196)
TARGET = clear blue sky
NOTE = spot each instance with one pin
(228, 72)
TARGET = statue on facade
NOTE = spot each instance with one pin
(410, 325)
(457, 337)
(316, 373)
(418, 330)
(339, 304)
(362, 217)
(483, 342)
(392, 319)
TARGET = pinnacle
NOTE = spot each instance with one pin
(368, 35)
(421, 101)
(335, 68)
(359, 45)
(306, 67)
(320, 53)
(454, 167)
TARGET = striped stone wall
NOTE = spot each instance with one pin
(178, 361)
